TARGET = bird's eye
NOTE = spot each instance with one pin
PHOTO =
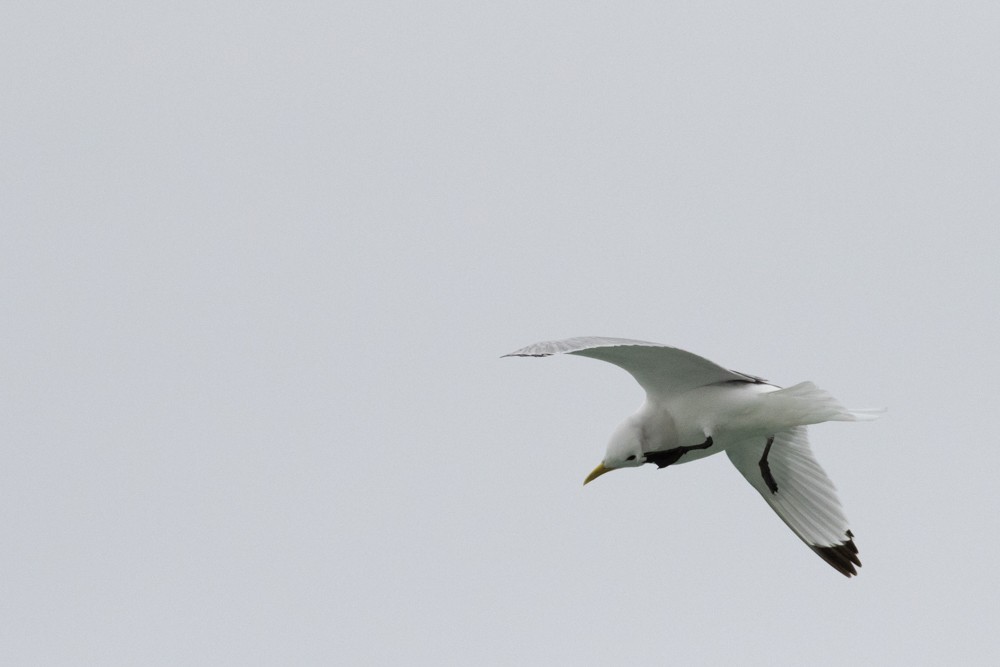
(631, 458)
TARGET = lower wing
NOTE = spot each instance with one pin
(805, 498)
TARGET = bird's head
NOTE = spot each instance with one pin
(624, 451)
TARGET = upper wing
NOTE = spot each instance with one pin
(661, 370)
(806, 499)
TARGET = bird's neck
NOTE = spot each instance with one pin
(657, 427)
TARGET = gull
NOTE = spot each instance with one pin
(695, 408)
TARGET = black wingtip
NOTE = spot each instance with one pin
(843, 557)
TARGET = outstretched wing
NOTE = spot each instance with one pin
(805, 499)
(661, 370)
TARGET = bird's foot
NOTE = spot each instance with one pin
(670, 456)
(765, 468)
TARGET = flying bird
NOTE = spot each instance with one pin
(695, 408)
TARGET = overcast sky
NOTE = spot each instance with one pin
(259, 262)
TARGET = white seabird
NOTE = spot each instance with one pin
(695, 408)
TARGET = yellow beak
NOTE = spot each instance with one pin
(598, 471)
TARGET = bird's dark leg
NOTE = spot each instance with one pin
(670, 456)
(765, 469)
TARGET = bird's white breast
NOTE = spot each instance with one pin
(724, 411)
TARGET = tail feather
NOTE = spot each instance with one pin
(813, 405)
(865, 414)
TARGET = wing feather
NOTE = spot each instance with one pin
(806, 499)
(660, 370)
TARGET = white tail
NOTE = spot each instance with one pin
(812, 405)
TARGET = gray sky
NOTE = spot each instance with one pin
(260, 261)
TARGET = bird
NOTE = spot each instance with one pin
(695, 408)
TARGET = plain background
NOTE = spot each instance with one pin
(259, 262)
